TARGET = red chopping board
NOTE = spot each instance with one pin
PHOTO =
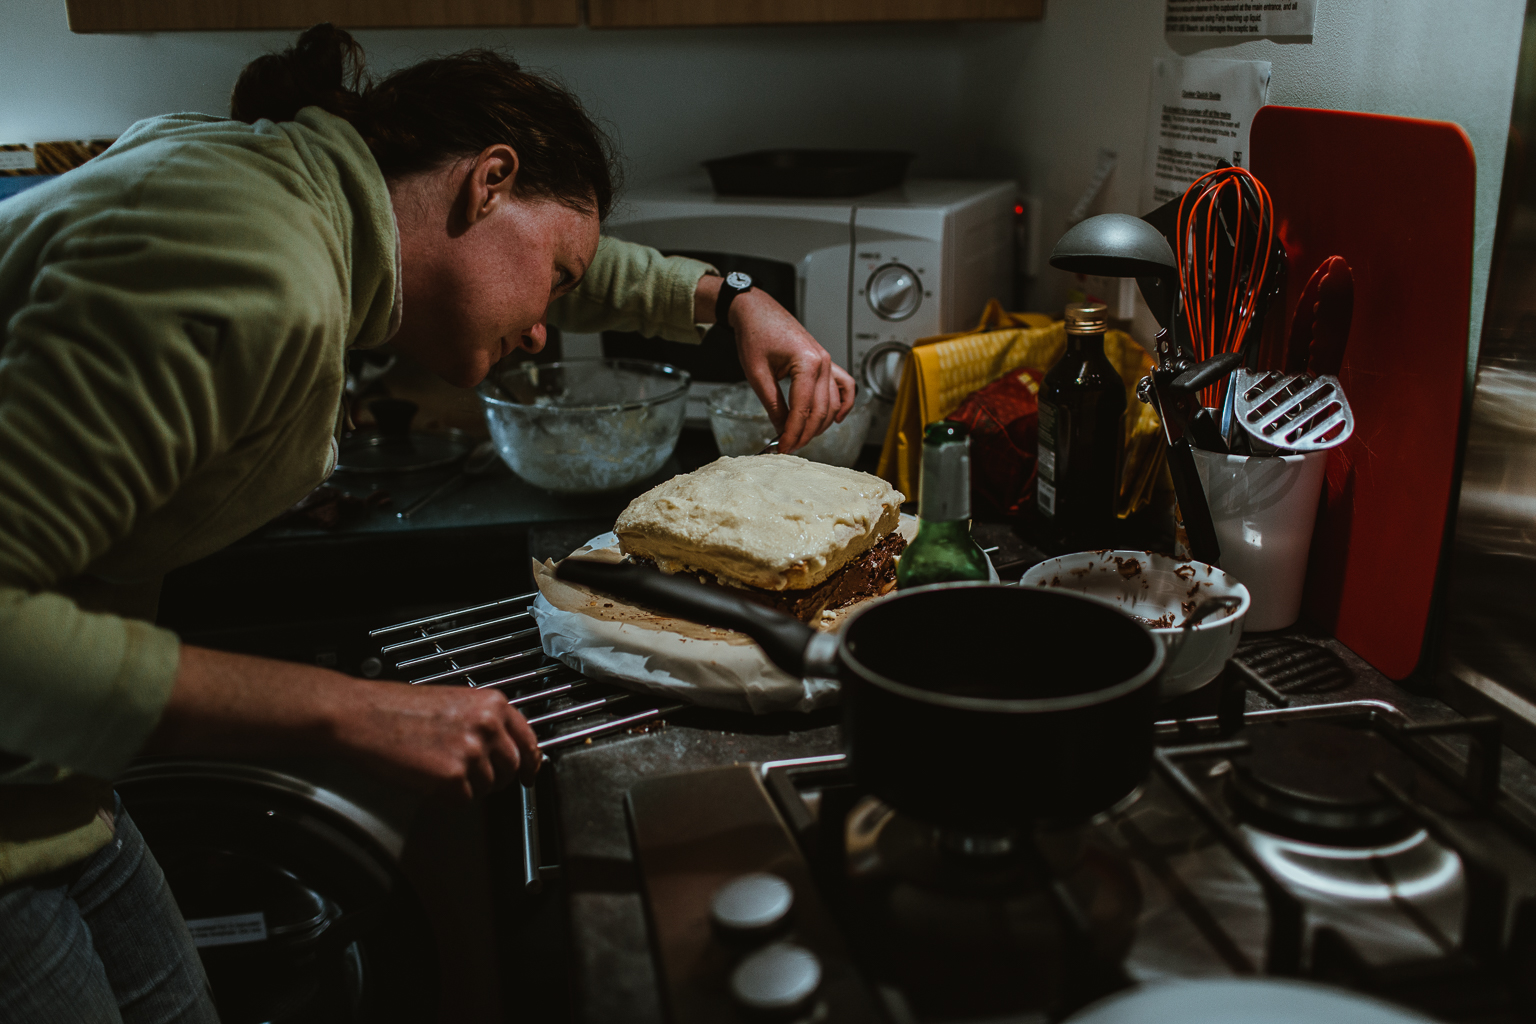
(1394, 196)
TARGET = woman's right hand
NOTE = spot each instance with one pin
(440, 739)
(448, 740)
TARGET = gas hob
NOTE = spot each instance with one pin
(1335, 842)
(1366, 838)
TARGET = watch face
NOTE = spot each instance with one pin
(736, 279)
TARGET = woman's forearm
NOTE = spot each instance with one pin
(453, 739)
(239, 704)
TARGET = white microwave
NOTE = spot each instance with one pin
(866, 276)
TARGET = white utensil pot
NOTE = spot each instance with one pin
(1264, 508)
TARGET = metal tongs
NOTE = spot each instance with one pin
(1174, 387)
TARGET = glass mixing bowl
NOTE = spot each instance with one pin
(742, 427)
(585, 426)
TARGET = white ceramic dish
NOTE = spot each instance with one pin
(1241, 1001)
(1160, 591)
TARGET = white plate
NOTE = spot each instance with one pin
(1247, 1001)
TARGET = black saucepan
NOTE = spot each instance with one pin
(977, 707)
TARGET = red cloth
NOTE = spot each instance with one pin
(1003, 419)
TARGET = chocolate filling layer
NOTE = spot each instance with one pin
(872, 573)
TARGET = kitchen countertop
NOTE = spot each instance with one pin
(614, 975)
(498, 498)
(472, 544)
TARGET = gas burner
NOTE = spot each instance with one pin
(1413, 868)
(1393, 902)
(1313, 781)
(1003, 924)
(882, 843)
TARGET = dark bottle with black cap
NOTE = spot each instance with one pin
(1082, 411)
(943, 551)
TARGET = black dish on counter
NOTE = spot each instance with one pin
(808, 173)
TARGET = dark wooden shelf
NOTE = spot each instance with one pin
(674, 13)
(181, 15)
(196, 15)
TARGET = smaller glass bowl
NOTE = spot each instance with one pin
(741, 427)
(585, 426)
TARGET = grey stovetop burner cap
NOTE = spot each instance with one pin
(751, 902)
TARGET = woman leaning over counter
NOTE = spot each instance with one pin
(177, 314)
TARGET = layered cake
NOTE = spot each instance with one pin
(795, 535)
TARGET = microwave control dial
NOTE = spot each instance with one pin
(882, 368)
(894, 291)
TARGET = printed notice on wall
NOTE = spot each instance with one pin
(1200, 112)
(1240, 17)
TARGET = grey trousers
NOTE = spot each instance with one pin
(100, 942)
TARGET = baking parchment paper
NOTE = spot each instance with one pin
(605, 638)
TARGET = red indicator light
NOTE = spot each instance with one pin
(1018, 211)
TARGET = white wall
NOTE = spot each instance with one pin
(672, 97)
(1034, 101)
(1059, 90)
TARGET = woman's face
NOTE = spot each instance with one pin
(481, 269)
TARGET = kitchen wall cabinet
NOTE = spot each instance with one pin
(666, 13)
(168, 15)
(173, 15)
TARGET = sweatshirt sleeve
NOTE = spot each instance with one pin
(633, 287)
(121, 374)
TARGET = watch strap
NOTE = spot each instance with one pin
(735, 284)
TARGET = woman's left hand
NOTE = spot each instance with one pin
(773, 345)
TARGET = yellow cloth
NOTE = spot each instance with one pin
(943, 370)
(1144, 465)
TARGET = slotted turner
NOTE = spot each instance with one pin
(1292, 410)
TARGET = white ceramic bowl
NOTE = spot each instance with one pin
(1160, 591)
(742, 427)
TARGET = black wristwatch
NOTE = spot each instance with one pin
(735, 283)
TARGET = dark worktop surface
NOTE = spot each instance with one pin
(289, 587)
(498, 498)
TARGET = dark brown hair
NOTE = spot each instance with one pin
(439, 110)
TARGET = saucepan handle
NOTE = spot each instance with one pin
(783, 638)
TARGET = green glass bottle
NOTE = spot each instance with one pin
(943, 550)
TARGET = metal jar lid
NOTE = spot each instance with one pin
(1087, 318)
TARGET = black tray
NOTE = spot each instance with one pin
(808, 173)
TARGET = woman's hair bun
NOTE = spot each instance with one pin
(439, 110)
(323, 68)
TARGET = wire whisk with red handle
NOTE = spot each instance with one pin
(1225, 211)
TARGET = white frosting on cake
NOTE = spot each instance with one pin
(773, 521)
